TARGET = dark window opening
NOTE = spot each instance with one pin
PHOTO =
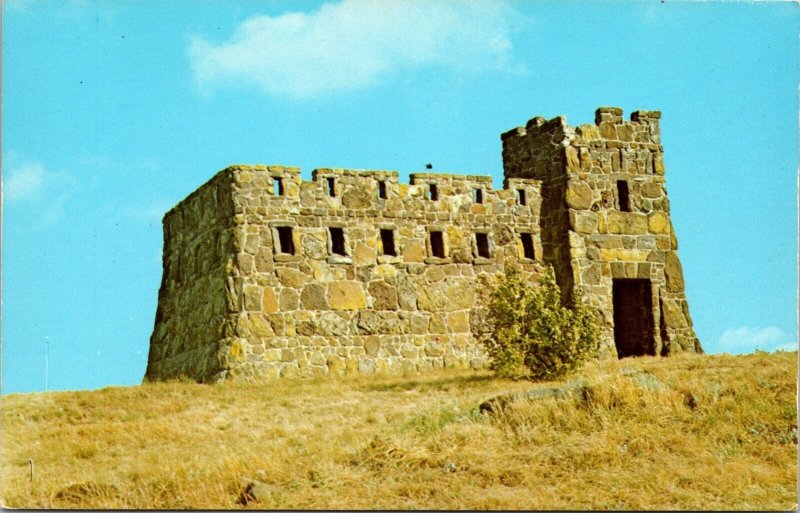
(622, 194)
(634, 328)
(337, 241)
(477, 195)
(331, 187)
(285, 240)
(387, 240)
(482, 243)
(527, 246)
(437, 244)
(521, 196)
(382, 189)
(277, 186)
(433, 192)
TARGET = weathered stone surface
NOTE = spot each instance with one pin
(384, 296)
(446, 296)
(256, 285)
(313, 297)
(579, 195)
(346, 295)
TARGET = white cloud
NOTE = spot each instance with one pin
(31, 187)
(355, 44)
(746, 340)
(24, 182)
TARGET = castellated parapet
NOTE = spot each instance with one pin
(353, 272)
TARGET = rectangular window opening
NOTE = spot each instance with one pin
(331, 186)
(433, 192)
(482, 244)
(521, 197)
(382, 189)
(437, 244)
(477, 195)
(285, 240)
(337, 241)
(527, 246)
(277, 186)
(623, 195)
(387, 240)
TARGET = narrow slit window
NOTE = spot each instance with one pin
(521, 197)
(277, 184)
(285, 240)
(623, 195)
(337, 241)
(477, 195)
(527, 246)
(437, 244)
(482, 244)
(382, 189)
(433, 192)
(387, 240)
(331, 186)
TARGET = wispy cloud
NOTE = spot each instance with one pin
(31, 186)
(24, 182)
(746, 340)
(354, 44)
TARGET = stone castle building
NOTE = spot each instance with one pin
(267, 275)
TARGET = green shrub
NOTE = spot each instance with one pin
(529, 332)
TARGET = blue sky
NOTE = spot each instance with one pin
(114, 111)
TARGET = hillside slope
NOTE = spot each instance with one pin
(698, 432)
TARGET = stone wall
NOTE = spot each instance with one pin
(268, 275)
(194, 311)
(605, 239)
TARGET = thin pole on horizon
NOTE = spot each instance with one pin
(46, 363)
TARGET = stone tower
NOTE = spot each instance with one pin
(267, 275)
(605, 224)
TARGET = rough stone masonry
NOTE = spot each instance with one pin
(266, 275)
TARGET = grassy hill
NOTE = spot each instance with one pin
(699, 432)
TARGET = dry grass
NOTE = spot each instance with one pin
(400, 444)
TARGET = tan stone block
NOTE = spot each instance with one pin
(434, 274)
(579, 195)
(291, 277)
(384, 271)
(446, 296)
(573, 161)
(363, 254)
(312, 297)
(584, 222)
(437, 324)
(608, 254)
(289, 299)
(384, 296)
(658, 163)
(629, 223)
(658, 223)
(269, 303)
(372, 345)
(238, 350)
(419, 323)
(458, 321)
(602, 224)
(346, 295)
(673, 272)
(252, 298)
(632, 255)
(402, 190)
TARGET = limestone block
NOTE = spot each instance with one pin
(269, 303)
(314, 245)
(438, 324)
(384, 296)
(414, 252)
(658, 223)
(673, 272)
(346, 295)
(289, 299)
(584, 222)
(446, 296)
(355, 197)
(312, 297)
(372, 345)
(434, 349)
(291, 277)
(629, 223)
(673, 314)
(459, 322)
(252, 298)
(363, 255)
(579, 195)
